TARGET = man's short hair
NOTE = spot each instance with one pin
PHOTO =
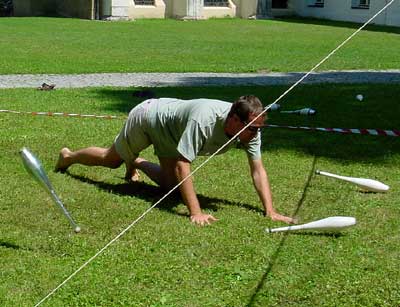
(245, 106)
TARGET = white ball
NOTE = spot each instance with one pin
(359, 97)
(77, 229)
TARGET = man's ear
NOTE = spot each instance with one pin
(236, 118)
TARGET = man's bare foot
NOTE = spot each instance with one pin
(132, 176)
(62, 163)
(286, 219)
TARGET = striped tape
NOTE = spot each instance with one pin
(63, 114)
(381, 132)
(378, 132)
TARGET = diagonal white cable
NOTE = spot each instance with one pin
(209, 158)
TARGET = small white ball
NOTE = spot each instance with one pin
(359, 97)
(77, 229)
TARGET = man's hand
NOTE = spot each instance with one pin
(202, 219)
(279, 217)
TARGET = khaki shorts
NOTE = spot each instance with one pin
(133, 138)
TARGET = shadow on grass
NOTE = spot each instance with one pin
(339, 24)
(278, 250)
(152, 194)
(318, 234)
(9, 245)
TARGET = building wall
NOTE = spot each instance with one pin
(34, 7)
(147, 11)
(229, 11)
(393, 15)
(120, 9)
(179, 8)
(68, 8)
(245, 8)
(76, 8)
(341, 10)
(22, 8)
(126, 9)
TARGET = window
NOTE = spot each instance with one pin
(316, 3)
(279, 4)
(360, 4)
(216, 3)
(144, 2)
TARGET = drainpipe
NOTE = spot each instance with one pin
(92, 12)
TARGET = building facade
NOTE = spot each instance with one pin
(344, 10)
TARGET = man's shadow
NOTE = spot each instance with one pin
(282, 242)
(152, 193)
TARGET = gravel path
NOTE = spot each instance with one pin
(196, 79)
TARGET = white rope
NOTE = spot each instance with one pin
(209, 158)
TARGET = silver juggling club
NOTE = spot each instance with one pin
(36, 170)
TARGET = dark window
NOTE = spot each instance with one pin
(360, 4)
(216, 3)
(316, 3)
(279, 4)
(144, 2)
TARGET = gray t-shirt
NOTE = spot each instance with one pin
(191, 128)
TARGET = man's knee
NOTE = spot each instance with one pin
(111, 158)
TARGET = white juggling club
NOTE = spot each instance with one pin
(273, 107)
(333, 223)
(305, 111)
(35, 168)
(364, 183)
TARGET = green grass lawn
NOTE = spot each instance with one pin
(57, 45)
(166, 261)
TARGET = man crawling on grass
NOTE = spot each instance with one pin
(181, 130)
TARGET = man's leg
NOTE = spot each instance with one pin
(162, 174)
(91, 156)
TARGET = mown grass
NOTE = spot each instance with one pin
(166, 261)
(57, 45)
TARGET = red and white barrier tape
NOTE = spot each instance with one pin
(63, 114)
(379, 132)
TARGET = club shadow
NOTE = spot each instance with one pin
(317, 234)
(275, 255)
(152, 193)
(9, 245)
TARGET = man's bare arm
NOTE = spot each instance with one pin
(262, 186)
(182, 170)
